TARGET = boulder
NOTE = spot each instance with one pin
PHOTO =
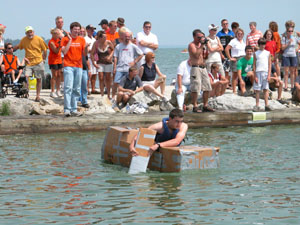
(145, 97)
(18, 106)
(240, 103)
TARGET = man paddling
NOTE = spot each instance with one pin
(170, 132)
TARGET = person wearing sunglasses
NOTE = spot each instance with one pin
(12, 66)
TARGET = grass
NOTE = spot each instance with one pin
(5, 109)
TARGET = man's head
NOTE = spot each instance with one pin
(249, 51)
(175, 119)
(29, 32)
(261, 42)
(198, 35)
(234, 26)
(59, 22)
(120, 22)
(90, 30)
(147, 27)
(252, 26)
(224, 24)
(75, 29)
(104, 24)
(127, 37)
(212, 29)
(133, 71)
(112, 26)
(9, 48)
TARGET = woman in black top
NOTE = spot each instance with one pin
(148, 73)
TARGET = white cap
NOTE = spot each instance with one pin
(212, 27)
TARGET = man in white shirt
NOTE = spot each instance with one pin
(89, 39)
(146, 41)
(183, 82)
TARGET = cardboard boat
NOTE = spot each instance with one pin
(115, 150)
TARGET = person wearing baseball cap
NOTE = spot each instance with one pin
(104, 25)
(36, 52)
(120, 22)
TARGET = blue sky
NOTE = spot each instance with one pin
(172, 21)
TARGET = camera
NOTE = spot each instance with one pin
(204, 40)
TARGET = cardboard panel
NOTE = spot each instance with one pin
(144, 141)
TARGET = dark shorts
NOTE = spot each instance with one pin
(55, 66)
(16, 72)
(247, 81)
(289, 61)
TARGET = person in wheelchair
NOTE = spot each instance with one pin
(10, 65)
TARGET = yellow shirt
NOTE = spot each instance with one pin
(33, 49)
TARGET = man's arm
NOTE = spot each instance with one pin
(148, 44)
(173, 142)
(44, 55)
(195, 51)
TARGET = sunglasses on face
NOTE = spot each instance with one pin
(10, 48)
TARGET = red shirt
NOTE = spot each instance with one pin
(54, 58)
(271, 47)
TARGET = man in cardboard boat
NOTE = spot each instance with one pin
(170, 132)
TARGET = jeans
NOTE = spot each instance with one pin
(84, 90)
(180, 97)
(72, 85)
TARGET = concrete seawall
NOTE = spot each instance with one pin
(51, 124)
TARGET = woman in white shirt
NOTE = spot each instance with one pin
(237, 47)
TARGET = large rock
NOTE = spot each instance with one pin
(18, 106)
(145, 97)
(239, 103)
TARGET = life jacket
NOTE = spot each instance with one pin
(165, 136)
(10, 62)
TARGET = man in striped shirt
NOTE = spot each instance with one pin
(253, 36)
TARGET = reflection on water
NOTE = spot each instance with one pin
(60, 178)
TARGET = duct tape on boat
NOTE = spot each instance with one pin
(259, 117)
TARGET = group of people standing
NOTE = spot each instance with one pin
(124, 65)
(254, 63)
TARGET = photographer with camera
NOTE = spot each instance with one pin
(199, 76)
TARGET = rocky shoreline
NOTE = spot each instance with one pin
(100, 105)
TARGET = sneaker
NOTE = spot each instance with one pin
(67, 114)
(58, 94)
(86, 106)
(256, 109)
(207, 109)
(76, 114)
(53, 95)
(267, 108)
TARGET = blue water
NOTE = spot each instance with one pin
(60, 179)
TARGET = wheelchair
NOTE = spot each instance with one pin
(7, 87)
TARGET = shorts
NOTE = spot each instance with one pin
(226, 65)
(289, 61)
(199, 80)
(119, 76)
(148, 83)
(233, 65)
(93, 69)
(55, 66)
(247, 81)
(263, 83)
(105, 68)
(38, 70)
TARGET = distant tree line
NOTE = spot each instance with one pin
(17, 41)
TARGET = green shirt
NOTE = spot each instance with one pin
(245, 65)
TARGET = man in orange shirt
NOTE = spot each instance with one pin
(73, 48)
(112, 35)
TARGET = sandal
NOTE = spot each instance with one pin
(208, 109)
(37, 99)
(196, 110)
